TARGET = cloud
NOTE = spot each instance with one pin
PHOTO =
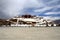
(51, 2)
(52, 13)
(10, 8)
(33, 4)
(51, 18)
(43, 9)
(55, 10)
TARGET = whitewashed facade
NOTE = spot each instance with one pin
(34, 21)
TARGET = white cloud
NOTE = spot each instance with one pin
(52, 13)
(52, 7)
(47, 8)
(12, 7)
(51, 18)
(34, 4)
(43, 9)
(51, 2)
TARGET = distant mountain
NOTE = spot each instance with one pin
(57, 21)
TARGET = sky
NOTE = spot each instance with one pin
(47, 8)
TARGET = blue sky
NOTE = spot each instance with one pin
(11, 8)
(44, 8)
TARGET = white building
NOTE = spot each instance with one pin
(29, 20)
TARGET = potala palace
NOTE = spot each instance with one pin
(29, 20)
